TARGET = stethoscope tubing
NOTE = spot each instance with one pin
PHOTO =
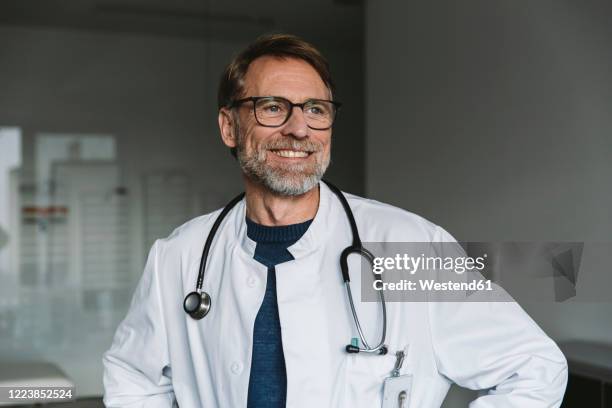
(197, 311)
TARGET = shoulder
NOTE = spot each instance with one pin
(390, 223)
(191, 235)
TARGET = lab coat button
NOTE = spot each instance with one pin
(251, 282)
(236, 367)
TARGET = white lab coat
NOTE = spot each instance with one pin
(160, 356)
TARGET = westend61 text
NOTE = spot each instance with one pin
(433, 286)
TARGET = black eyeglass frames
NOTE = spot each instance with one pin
(275, 111)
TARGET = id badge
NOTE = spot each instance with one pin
(396, 391)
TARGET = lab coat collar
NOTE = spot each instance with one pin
(314, 236)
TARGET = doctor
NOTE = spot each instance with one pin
(279, 319)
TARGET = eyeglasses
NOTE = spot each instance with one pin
(275, 111)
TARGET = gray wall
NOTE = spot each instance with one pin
(492, 119)
(157, 96)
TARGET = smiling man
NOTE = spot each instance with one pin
(270, 319)
(282, 146)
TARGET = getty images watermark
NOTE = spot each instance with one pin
(410, 265)
(487, 271)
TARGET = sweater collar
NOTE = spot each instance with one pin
(276, 234)
(316, 234)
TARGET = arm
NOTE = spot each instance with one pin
(496, 346)
(136, 368)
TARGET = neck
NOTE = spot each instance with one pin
(267, 208)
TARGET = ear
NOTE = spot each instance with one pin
(226, 126)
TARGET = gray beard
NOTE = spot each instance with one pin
(292, 180)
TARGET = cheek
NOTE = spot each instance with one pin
(255, 137)
(326, 142)
(248, 137)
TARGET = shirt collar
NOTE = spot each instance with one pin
(314, 237)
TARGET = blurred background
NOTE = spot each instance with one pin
(489, 118)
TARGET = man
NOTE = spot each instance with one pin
(276, 333)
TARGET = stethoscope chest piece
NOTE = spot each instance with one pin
(197, 304)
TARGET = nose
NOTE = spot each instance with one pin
(296, 124)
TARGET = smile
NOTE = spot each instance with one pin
(291, 153)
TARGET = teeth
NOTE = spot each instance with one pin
(290, 153)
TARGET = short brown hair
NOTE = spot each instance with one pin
(277, 45)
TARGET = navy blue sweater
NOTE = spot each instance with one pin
(268, 378)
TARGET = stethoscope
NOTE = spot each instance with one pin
(197, 304)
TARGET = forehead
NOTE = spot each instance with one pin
(292, 78)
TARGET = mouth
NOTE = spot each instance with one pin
(292, 154)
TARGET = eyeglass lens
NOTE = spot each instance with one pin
(274, 112)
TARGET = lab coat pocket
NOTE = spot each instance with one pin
(365, 378)
(396, 391)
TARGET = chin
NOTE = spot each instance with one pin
(288, 185)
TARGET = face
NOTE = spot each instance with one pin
(287, 160)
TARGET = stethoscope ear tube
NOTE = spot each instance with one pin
(197, 304)
(380, 348)
(360, 250)
(211, 236)
(351, 349)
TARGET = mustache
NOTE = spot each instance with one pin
(297, 145)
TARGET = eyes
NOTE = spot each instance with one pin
(311, 107)
(316, 110)
(271, 107)
(274, 111)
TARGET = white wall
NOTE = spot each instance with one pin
(492, 119)
(157, 96)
